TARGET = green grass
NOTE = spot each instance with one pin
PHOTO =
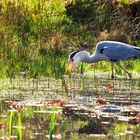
(37, 36)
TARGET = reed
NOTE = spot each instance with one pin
(12, 113)
(19, 129)
(12, 122)
(52, 122)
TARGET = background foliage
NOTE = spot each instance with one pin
(36, 36)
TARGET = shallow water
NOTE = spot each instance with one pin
(85, 108)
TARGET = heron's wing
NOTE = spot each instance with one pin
(119, 52)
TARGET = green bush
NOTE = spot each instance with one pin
(81, 10)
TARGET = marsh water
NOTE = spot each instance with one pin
(71, 108)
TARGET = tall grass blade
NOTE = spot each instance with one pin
(11, 123)
(19, 129)
(52, 122)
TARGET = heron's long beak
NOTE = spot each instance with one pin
(69, 67)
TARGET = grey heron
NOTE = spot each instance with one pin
(111, 51)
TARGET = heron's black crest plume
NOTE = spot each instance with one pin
(73, 54)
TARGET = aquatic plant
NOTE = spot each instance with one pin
(19, 129)
(56, 103)
(52, 122)
(120, 127)
(12, 122)
(17, 107)
(12, 113)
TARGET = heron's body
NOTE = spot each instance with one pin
(116, 51)
(111, 51)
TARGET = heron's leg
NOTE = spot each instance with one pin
(119, 64)
(112, 69)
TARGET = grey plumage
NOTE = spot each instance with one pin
(116, 51)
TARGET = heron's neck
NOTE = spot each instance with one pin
(92, 58)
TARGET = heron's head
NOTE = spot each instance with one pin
(75, 58)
